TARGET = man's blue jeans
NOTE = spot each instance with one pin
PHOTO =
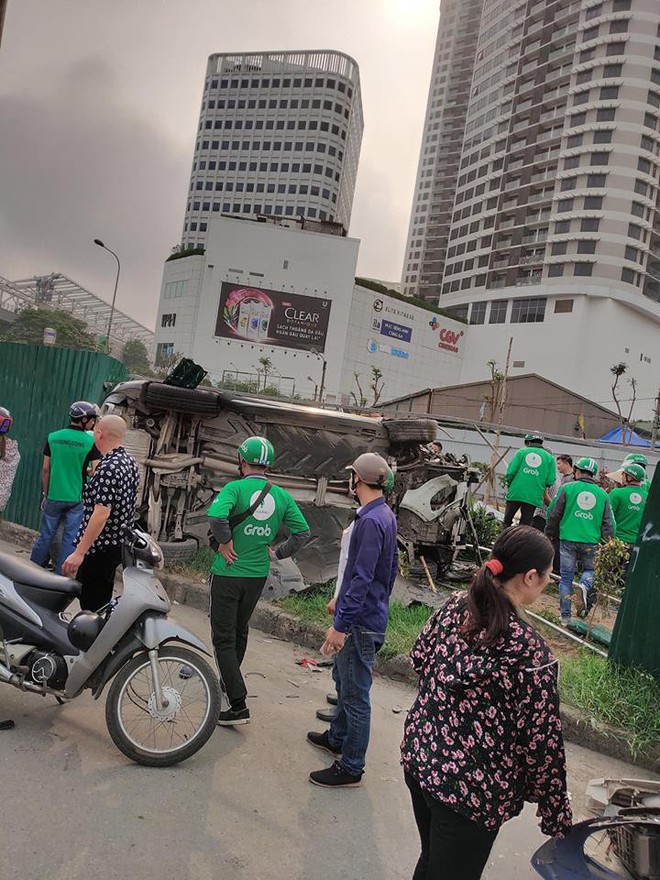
(54, 513)
(570, 553)
(353, 673)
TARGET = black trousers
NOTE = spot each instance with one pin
(526, 513)
(232, 602)
(97, 576)
(453, 847)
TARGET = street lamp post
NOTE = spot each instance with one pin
(98, 242)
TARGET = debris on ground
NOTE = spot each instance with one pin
(7, 725)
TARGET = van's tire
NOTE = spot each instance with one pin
(197, 401)
(412, 430)
(178, 552)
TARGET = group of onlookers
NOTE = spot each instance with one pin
(564, 500)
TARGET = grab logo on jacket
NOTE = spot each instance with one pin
(266, 509)
(635, 498)
(586, 501)
(532, 460)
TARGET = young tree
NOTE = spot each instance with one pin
(71, 332)
(617, 370)
(376, 376)
(359, 398)
(135, 357)
(265, 369)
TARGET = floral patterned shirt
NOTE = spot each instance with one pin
(8, 467)
(484, 734)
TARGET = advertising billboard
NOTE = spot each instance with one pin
(272, 317)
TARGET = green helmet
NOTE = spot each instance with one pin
(534, 437)
(590, 465)
(389, 483)
(634, 470)
(257, 451)
(637, 458)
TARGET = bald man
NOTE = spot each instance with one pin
(109, 500)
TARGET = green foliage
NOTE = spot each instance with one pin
(610, 567)
(199, 564)
(411, 300)
(403, 628)
(71, 332)
(186, 252)
(627, 698)
(135, 357)
(486, 526)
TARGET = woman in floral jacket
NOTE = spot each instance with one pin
(9, 458)
(484, 734)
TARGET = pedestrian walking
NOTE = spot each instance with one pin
(580, 516)
(484, 733)
(532, 471)
(109, 505)
(9, 457)
(360, 621)
(245, 518)
(67, 462)
(628, 503)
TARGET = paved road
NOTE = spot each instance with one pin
(72, 807)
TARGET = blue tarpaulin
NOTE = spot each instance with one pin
(616, 436)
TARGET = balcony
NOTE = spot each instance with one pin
(532, 258)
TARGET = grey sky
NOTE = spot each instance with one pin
(99, 104)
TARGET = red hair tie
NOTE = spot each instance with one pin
(495, 566)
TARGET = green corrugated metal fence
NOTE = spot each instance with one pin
(38, 383)
(635, 640)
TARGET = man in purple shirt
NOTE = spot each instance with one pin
(359, 625)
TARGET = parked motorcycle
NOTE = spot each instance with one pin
(164, 700)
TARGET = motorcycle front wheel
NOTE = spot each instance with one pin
(161, 735)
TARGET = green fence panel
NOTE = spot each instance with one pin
(38, 383)
(636, 640)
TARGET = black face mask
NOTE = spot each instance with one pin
(353, 483)
(240, 466)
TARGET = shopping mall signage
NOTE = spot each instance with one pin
(272, 317)
(409, 323)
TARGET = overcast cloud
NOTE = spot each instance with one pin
(99, 104)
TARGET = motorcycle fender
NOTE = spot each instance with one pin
(124, 653)
(155, 631)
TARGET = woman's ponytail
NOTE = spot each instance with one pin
(517, 550)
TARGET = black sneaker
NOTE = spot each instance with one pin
(321, 741)
(332, 699)
(326, 715)
(335, 777)
(231, 717)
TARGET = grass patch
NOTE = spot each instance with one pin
(626, 698)
(199, 564)
(402, 630)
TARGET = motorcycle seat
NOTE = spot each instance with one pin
(32, 575)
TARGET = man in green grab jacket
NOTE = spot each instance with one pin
(532, 471)
(69, 456)
(581, 515)
(245, 519)
(628, 502)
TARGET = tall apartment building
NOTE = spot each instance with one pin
(442, 142)
(556, 219)
(279, 134)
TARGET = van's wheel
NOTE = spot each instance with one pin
(411, 430)
(159, 736)
(178, 552)
(195, 401)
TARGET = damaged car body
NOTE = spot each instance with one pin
(185, 441)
